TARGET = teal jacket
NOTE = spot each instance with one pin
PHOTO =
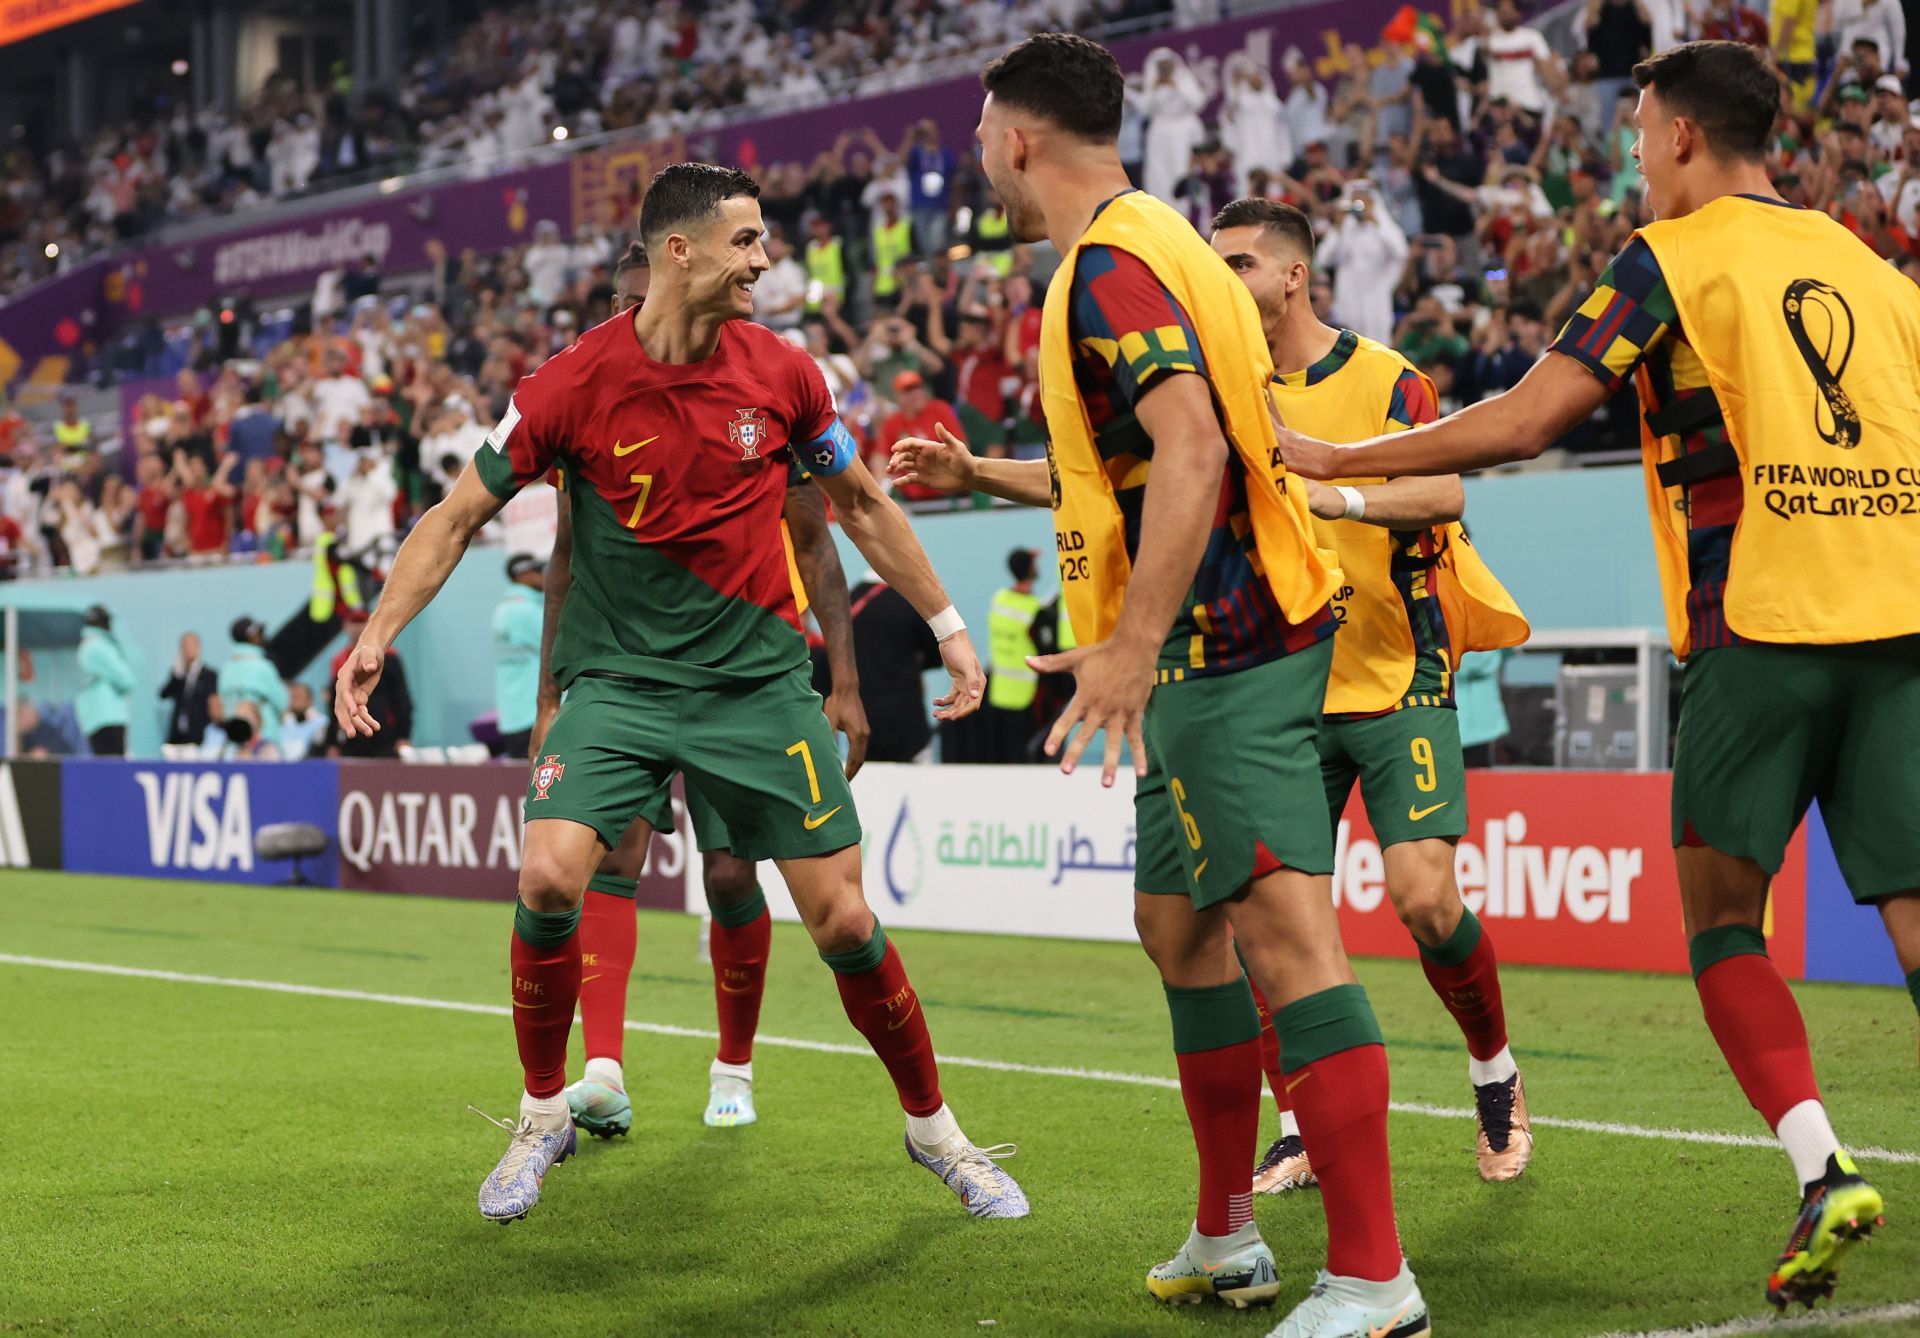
(516, 651)
(106, 682)
(249, 676)
(1476, 696)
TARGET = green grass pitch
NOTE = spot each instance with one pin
(206, 1158)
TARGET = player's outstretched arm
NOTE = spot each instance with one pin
(820, 572)
(1554, 397)
(424, 562)
(554, 587)
(1113, 678)
(945, 463)
(879, 529)
(1397, 504)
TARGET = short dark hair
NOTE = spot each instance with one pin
(1725, 88)
(634, 257)
(1282, 220)
(1072, 82)
(683, 193)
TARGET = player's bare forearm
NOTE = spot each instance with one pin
(1183, 490)
(1397, 504)
(557, 582)
(880, 530)
(428, 557)
(826, 582)
(943, 461)
(1023, 481)
(1555, 396)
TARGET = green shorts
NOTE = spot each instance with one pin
(1232, 790)
(1408, 764)
(1764, 730)
(761, 755)
(709, 828)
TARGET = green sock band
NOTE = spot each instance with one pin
(1716, 945)
(611, 885)
(1913, 986)
(1213, 1017)
(544, 929)
(858, 961)
(1459, 945)
(1325, 1024)
(742, 913)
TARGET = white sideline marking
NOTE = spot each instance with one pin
(953, 1061)
(1816, 1320)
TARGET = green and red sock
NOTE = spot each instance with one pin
(882, 1006)
(1336, 1075)
(1753, 1018)
(545, 956)
(1465, 975)
(739, 942)
(1216, 1043)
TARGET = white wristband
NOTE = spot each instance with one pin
(1356, 503)
(946, 623)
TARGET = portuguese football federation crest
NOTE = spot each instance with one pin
(547, 775)
(748, 431)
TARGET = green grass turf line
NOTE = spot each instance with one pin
(225, 1161)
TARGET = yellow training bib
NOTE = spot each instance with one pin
(1375, 651)
(1088, 530)
(1811, 345)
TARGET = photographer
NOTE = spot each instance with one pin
(1366, 252)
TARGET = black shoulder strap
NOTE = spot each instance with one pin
(1684, 415)
(1699, 466)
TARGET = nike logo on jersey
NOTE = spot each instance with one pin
(629, 450)
(810, 822)
(1415, 814)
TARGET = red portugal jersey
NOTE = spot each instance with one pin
(676, 476)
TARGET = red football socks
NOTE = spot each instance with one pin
(608, 932)
(1341, 1103)
(740, 982)
(1216, 1045)
(882, 1006)
(1336, 1076)
(546, 984)
(1464, 974)
(1221, 1089)
(1757, 1024)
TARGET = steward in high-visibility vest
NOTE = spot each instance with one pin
(892, 243)
(826, 263)
(1011, 682)
(993, 239)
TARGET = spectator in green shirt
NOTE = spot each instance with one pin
(1426, 334)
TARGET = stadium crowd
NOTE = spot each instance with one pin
(487, 99)
(1466, 200)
